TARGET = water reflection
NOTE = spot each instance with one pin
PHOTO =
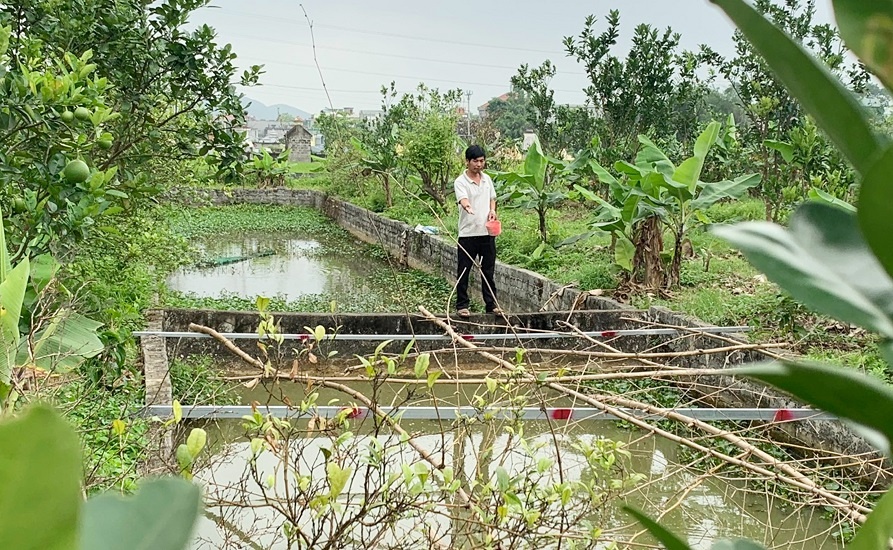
(702, 508)
(274, 265)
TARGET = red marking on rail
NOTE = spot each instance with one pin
(609, 333)
(783, 415)
(468, 336)
(353, 412)
(562, 414)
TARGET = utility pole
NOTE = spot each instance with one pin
(468, 115)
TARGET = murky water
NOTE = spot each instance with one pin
(299, 269)
(294, 269)
(702, 508)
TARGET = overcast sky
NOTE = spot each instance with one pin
(475, 46)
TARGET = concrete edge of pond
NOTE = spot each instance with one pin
(524, 290)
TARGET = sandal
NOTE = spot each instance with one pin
(497, 311)
(464, 313)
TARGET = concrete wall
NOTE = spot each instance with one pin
(523, 290)
(298, 149)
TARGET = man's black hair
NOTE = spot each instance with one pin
(474, 152)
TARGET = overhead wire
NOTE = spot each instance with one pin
(388, 34)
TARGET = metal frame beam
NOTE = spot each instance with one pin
(576, 414)
(444, 337)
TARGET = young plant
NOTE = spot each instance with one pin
(533, 188)
(654, 194)
(269, 171)
(57, 343)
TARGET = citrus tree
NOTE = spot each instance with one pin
(53, 132)
(173, 87)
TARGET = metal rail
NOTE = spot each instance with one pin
(576, 414)
(419, 337)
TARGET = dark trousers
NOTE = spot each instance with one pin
(469, 249)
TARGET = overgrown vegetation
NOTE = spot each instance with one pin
(103, 115)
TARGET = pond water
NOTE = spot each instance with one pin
(700, 508)
(307, 273)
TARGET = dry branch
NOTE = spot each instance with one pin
(790, 476)
(227, 344)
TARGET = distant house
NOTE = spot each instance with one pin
(297, 142)
(482, 110)
(370, 115)
(343, 111)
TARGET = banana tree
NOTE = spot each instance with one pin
(680, 196)
(59, 344)
(532, 188)
(654, 194)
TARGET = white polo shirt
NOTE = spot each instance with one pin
(479, 196)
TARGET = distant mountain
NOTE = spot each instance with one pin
(260, 111)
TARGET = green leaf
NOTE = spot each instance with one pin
(875, 533)
(843, 392)
(185, 460)
(818, 195)
(196, 441)
(421, 365)
(823, 262)
(502, 479)
(783, 147)
(63, 344)
(867, 29)
(432, 378)
(624, 251)
(711, 193)
(337, 477)
(836, 109)
(40, 473)
(650, 156)
(665, 537)
(689, 172)
(12, 293)
(43, 269)
(602, 173)
(535, 163)
(538, 252)
(875, 198)
(161, 516)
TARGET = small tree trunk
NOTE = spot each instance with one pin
(386, 181)
(542, 215)
(647, 263)
(676, 265)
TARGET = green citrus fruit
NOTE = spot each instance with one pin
(67, 116)
(82, 113)
(104, 144)
(76, 171)
(18, 205)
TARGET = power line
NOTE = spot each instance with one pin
(394, 55)
(391, 35)
(390, 75)
(320, 90)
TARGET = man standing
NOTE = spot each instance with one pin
(477, 205)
